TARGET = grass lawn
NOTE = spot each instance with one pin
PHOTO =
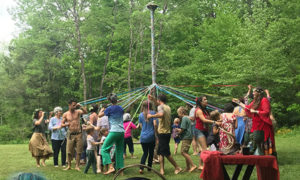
(16, 158)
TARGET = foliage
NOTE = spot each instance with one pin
(200, 43)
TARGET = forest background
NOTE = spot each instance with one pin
(88, 48)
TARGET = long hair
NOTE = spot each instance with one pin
(144, 109)
(257, 99)
(199, 105)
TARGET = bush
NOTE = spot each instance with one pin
(13, 135)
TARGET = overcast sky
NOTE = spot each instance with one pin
(7, 29)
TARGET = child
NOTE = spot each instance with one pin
(128, 126)
(175, 135)
(91, 146)
(102, 134)
(185, 132)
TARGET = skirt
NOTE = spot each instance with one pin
(38, 146)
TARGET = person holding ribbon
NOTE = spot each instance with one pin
(259, 111)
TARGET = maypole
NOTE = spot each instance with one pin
(151, 6)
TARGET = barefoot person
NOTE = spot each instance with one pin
(185, 133)
(71, 119)
(38, 145)
(164, 133)
(115, 136)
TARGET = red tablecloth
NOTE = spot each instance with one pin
(266, 166)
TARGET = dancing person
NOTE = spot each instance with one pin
(115, 136)
(71, 119)
(226, 129)
(58, 137)
(185, 132)
(103, 133)
(147, 137)
(202, 118)
(164, 133)
(128, 126)
(259, 110)
(175, 135)
(90, 150)
(195, 144)
(38, 145)
(240, 114)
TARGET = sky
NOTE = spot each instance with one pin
(8, 29)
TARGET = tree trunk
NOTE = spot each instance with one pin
(108, 51)
(105, 64)
(78, 38)
(142, 54)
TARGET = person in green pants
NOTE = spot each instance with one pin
(91, 146)
(115, 136)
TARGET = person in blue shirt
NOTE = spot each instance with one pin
(58, 137)
(115, 136)
(147, 137)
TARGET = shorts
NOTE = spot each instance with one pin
(185, 146)
(74, 142)
(194, 130)
(177, 140)
(163, 144)
(200, 133)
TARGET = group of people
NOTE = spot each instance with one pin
(109, 131)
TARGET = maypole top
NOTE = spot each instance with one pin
(152, 6)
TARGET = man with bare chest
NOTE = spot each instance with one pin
(71, 119)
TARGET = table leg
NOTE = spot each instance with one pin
(226, 176)
(237, 171)
(248, 172)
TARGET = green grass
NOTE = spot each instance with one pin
(16, 158)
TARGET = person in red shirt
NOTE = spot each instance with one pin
(202, 119)
(259, 110)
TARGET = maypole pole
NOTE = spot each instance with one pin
(151, 6)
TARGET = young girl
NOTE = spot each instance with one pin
(175, 135)
(185, 132)
(90, 150)
(128, 126)
(102, 134)
(226, 129)
(147, 137)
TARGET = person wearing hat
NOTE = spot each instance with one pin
(128, 126)
(38, 145)
(116, 134)
(259, 110)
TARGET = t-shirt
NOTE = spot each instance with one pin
(128, 129)
(148, 131)
(192, 115)
(187, 128)
(115, 118)
(103, 122)
(102, 141)
(174, 132)
(89, 141)
(164, 126)
(41, 128)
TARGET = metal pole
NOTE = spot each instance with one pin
(151, 6)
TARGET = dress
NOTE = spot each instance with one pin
(38, 145)
(227, 138)
(240, 130)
